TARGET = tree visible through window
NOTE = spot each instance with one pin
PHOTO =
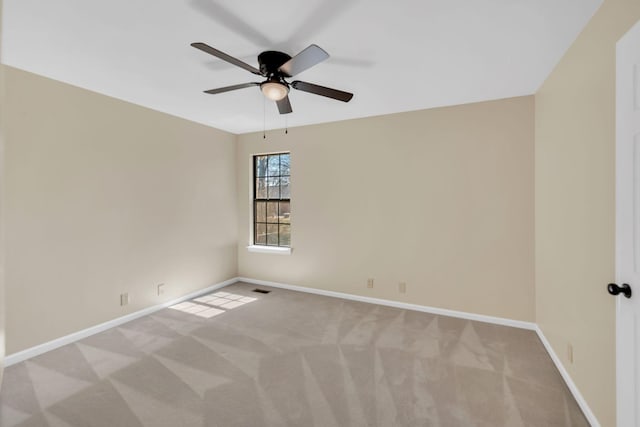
(272, 200)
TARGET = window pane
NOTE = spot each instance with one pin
(284, 164)
(285, 192)
(261, 211)
(261, 188)
(285, 235)
(261, 234)
(274, 165)
(272, 234)
(273, 187)
(285, 212)
(261, 165)
(272, 212)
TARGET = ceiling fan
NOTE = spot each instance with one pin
(275, 67)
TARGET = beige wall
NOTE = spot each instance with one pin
(105, 197)
(440, 199)
(575, 205)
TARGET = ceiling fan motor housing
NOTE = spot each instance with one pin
(270, 61)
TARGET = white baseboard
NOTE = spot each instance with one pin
(68, 339)
(398, 304)
(586, 410)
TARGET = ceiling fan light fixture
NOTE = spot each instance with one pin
(274, 90)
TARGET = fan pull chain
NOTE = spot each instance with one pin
(286, 125)
(264, 118)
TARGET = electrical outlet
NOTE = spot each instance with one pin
(124, 299)
(160, 289)
(369, 283)
(570, 353)
(402, 287)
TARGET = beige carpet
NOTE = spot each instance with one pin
(240, 358)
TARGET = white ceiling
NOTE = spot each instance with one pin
(394, 56)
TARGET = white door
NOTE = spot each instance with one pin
(628, 227)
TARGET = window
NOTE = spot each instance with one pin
(272, 200)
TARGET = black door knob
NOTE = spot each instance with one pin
(615, 289)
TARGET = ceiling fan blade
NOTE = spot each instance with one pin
(309, 57)
(229, 88)
(284, 106)
(227, 18)
(318, 19)
(322, 91)
(230, 59)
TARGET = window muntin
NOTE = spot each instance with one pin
(272, 200)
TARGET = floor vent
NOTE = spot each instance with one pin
(261, 291)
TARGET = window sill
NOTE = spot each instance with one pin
(269, 249)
